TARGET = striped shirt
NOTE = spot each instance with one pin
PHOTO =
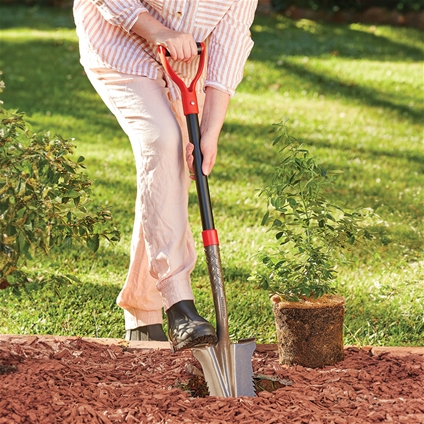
(106, 39)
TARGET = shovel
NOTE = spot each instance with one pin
(227, 367)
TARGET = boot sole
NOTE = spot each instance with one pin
(199, 341)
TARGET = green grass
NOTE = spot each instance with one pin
(354, 93)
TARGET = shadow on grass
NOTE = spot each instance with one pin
(377, 154)
(277, 36)
(35, 17)
(74, 309)
(45, 77)
(254, 162)
(274, 35)
(258, 155)
(337, 88)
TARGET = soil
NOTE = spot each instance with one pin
(74, 380)
(310, 333)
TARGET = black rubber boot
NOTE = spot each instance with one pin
(187, 329)
(147, 333)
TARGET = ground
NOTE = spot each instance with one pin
(74, 380)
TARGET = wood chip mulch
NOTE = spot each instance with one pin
(79, 381)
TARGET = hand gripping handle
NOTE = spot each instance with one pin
(188, 94)
(191, 111)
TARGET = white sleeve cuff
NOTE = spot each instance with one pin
(220, 87)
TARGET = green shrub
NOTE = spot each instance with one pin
(43, 196)
(309, 233)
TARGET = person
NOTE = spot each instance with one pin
(118, 43)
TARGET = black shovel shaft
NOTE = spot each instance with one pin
(210, 238)
(202, 186)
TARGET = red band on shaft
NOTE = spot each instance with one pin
(210, 238)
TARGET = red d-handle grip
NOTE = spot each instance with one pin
(188, 94)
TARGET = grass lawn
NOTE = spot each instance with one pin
(354, 93)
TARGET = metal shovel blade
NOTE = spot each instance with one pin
(228, 369)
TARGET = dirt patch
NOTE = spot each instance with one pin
(80, 381)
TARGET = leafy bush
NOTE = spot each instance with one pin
(356, 5)
(310, 233)
(43, 196)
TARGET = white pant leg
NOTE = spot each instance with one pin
(162, 248)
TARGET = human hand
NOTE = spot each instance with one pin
(214, 111)
(209, 148)
(181, 46)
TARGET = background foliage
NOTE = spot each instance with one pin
(353, 5)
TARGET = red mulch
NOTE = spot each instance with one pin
(79, 381)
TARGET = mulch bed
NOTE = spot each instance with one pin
(79, 381)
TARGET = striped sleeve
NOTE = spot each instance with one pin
(122, 13)
(230, 46)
